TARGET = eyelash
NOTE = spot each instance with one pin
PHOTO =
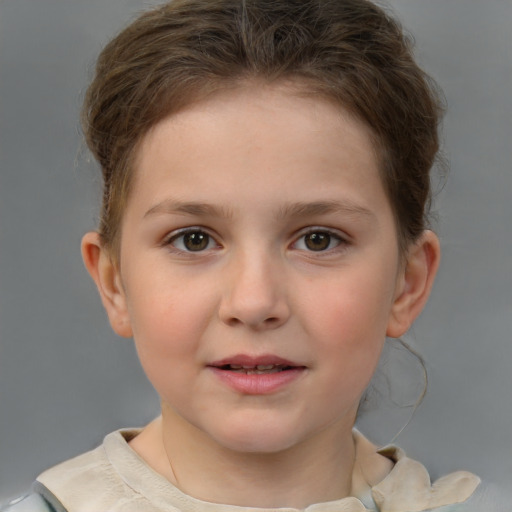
(204, 236)
(341, 242)
(171, 240)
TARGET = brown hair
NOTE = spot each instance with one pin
(350, 51)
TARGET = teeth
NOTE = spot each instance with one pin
(251, 367)
(256, 370)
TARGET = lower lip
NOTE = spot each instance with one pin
(258, 384)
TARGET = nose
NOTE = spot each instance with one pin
(254, 293)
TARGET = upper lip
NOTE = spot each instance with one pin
(248, 361)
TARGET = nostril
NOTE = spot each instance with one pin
(233, 322)
(270, 322)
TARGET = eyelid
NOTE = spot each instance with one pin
(177, 233)
(342, 238)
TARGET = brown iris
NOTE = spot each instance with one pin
(196, 241)
(317, 241)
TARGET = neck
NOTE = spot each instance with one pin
(318, 470)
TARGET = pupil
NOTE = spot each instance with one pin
(318, 241)
(196, 241)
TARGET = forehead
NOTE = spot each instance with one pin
(257, 112)
(279, 134)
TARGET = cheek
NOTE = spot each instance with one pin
(168, 322)
(355, 308)
(167, 339)
(348, 320)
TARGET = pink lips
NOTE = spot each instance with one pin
(260, 375)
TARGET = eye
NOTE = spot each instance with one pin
(191, 240)
(318, 241)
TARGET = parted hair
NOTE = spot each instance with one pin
(351, 52)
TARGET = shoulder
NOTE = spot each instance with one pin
(29, 503)
(38, 500)
(93, 481)
(59, 481)
(111, 478)
(408, 487)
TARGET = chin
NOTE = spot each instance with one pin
(256, 438)
(257, 445)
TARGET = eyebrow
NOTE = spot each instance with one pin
(299, 209)
(311, 209)
(171, 206)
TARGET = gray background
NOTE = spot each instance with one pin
(66, 380)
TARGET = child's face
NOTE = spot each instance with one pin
(258, 232)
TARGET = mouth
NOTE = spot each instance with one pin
(261, 375)
(251, 365)
(260, 369)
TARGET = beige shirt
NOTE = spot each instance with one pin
(114, 478)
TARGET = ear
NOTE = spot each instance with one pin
(414, 283)
(105, 274)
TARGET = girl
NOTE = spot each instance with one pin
(266, 187)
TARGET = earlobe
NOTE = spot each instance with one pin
(415, 283)
(105, 274)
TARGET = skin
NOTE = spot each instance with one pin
(254, 172)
